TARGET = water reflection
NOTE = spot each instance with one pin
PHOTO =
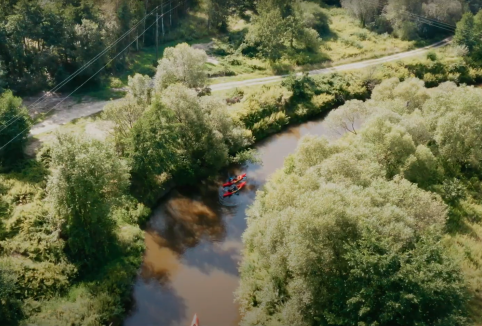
(193, 245)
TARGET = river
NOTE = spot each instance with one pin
(193, 244)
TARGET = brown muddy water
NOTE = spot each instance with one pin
(193, 244)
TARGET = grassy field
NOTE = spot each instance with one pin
(347, 42)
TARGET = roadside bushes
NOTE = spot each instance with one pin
(269, 109)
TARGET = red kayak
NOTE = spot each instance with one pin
(238, 188)
(236, 180)
(195, 321)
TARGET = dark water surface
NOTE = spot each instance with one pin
(193, 245)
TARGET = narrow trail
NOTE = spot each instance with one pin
(351, 66)
(76, 111)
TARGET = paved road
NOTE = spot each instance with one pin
(73, 112)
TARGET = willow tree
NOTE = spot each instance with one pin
(181, 64)
(15, 125)
(87, 178)
(350, 232)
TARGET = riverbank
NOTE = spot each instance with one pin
(193, 242)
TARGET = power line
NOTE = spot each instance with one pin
(118, 54)
(430, 19)
(86, 65)
(431, 22)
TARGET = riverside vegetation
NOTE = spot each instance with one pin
(402, 209)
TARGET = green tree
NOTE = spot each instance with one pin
(283, 25)
(184, 137)
(139, 89)
(181, 64)
(3, 81)
(152, 151)
(87, 178)
(10, 307)
(15, 124)
(465, 33)
(268, 33)
(344, 233)
(127, 111)
(364, 10)
(203, 151)
(218, 12)
(89, 43)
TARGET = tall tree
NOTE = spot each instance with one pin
(181, 64)
(364, 10)
(88, 176)
(15, 124)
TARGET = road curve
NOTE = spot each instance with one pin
(86, 109)
(351, 66)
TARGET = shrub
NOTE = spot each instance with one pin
(15, 125)
(431, 55)
(262, 103)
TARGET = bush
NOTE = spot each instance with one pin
(315, 17)
(15, 125)
(432, 56)
(79, 307)
(40, 280)
(262, 103)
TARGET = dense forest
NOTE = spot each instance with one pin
(44, 42)
(369, 229)
(333, 237)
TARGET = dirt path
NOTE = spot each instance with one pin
(351, 66)
(67, 113)
(71, 111)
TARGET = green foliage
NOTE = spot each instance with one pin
(182, 137)
(15, 123)
(79, 307)
(361, 230)
(302, 88)
(181, 64)
(87, 177)
(125, 112)
(40, 280)
(364, 10)
(283, 27)
(468, 34)
(45, 42)
(437, 292)
(3, 82)
(263, 110)
(10, 307)
(315, 17)
(405, 27)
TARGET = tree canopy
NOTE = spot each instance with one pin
(15, 126)
(350, 232)
(87, 178)
(181, 64)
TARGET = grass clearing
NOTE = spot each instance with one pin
(347, 42)
(93, 126)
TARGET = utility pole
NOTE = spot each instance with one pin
(157, 36)
(163, 32)
(170, 16)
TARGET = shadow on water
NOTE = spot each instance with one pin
(193, 244)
